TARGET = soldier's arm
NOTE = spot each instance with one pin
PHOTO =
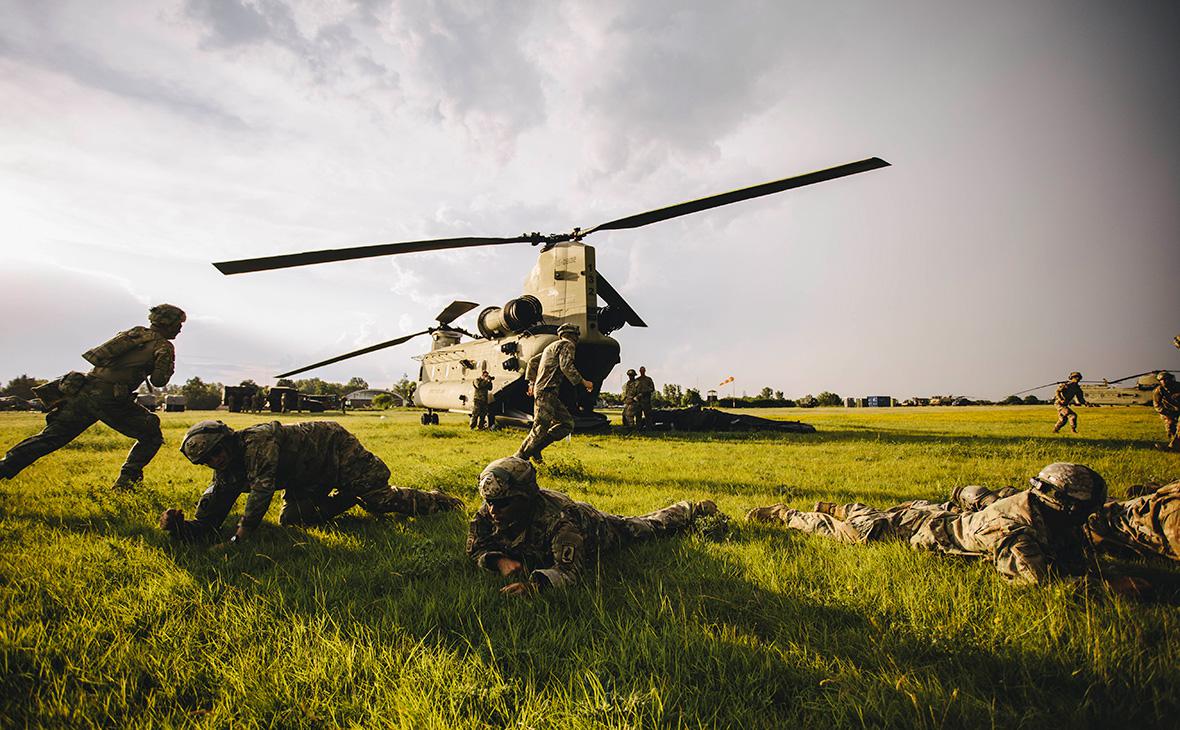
(216, 502)
(262, 464)
(1022, 561)
(482, 548)
(1077, 393)
(568, 550)
(165, 364)
(565, 361)
(530, 370)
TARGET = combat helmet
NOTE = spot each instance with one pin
(202, 438)
(569, 329)
(631, 371)
(973, 497)
(1071, 488)
(166, 315)
(1075, 375)
(1164, 376)
(511, 476)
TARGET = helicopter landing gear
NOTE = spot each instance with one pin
(430, 418)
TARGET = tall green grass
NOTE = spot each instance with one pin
(382, 622)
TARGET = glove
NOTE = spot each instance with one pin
(171, 521)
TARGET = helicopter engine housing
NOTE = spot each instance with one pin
(515, 316)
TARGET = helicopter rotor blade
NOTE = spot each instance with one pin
(455, 310)
(1046, 385)
(734, 196)
(612, 297)
(354, 353)
(1137, 375)
(286, 261)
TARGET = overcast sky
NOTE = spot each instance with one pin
(1029, 225)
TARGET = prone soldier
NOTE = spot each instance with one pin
(1066, 394)
(1166, 399)
(1028, 536)
(307, 460)
(107, 394)
(1147, 525)
(551, 419)
(481, 416)
(547, 540)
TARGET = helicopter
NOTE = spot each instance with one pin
(1106, 392)
(564, 286)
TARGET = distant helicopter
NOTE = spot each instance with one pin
(1107, 393)
(564, 286)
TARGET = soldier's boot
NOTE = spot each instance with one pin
(445, 502)
(773, 513)
(128, 480)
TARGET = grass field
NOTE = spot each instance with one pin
(382, 622)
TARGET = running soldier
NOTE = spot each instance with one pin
(630, 400)
(546, 540)
(481, 416)
(1066, 394)
(1146, 526)
(644, 388)
(1166, 399)
(307, 460)
(107, 394)
(551, 419)
(1028, 537)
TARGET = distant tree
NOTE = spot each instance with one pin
(828, 399)
(778, 395)
(355, 384)
(201, 396)
(673, 394)
(808, 401)
(284, 383)
(788, 403)
(248, 383)
(405, 388)
(22, 387)
(1031, 400)
(1012, 400)
(766, 393)
(383, 400)
(692, 397)
(610, 399)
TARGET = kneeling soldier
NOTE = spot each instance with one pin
(548, 539)
(308, 460)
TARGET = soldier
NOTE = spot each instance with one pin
(1066, 393)
(307, 460)
(107, 394)
(644, 388)
(630, 400)
(545, 539)
(1027, 536)
(481, 416)
(1166, 399)
(551, 419)
(1147, 525)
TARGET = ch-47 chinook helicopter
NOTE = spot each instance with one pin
(1108, 392)
(564, 286)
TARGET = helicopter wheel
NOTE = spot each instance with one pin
(425, 419)
(434, 419)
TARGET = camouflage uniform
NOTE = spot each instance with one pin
(630, 401)
(107, 394)
(481, 416)
(644, 388)
(1066, 393)
(307, 461)
(1025, 536)
(1166, 399)
(561, 542)
(551, 419)
(1148, 526)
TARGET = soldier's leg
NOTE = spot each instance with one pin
(1170, 428)
(814, 523)
(1062, 418)
(302, 509)
(382, 499)
(1073, 420)
(62, 425)
(674, 518)
(474, 419)
(134, 421)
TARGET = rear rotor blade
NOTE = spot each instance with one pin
(1136, 375)
(734, 196)
(612, 297)
(454, 311)
(354, 353)
(1046, 385)
(286, 261)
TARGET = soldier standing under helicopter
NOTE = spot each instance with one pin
(1066, 394)
(630, 400)
(481, 416)
(551, 419)
(645, 387)
(1166, 399)
(107, 394)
